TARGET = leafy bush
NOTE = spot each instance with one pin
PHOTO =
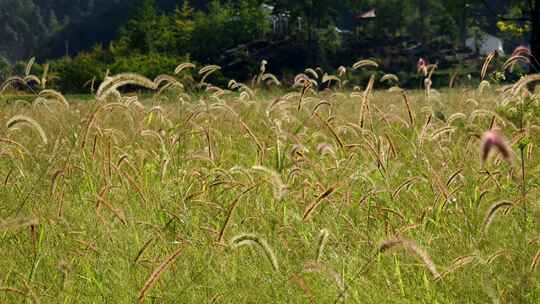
(5, 68)
(74, 73)
(149, 65)
(328, 45)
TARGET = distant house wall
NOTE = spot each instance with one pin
(280, 22)
(485, 44)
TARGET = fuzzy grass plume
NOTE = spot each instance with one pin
(156, 274)
(493, 140)
(25, 120)
(321, 243)
(17, 223)
(111, 84)
(492, 211)
(250, 239)
(413, 248)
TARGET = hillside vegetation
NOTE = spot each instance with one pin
(84, 39)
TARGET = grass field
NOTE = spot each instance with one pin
(322, 197)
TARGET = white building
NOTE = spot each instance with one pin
(279, 21)
(484, 44)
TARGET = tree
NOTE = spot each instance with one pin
(21, 28)
(183, 28)
(210, 35)
(138, 32)
(309, 20)
(459, 11)
(225, 26)
(523, 15)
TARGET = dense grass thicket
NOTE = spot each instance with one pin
(251, 194)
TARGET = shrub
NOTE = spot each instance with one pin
(149, 65)
(74, 73)
(5, 68)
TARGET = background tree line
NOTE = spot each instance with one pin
(84, 38)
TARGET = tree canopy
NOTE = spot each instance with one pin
(112, 34)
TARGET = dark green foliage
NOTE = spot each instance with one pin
(74, 73)
(237, 35)
(150, 65)
(22, 27)
(152, 43)
(146, 31)
(5, 68)
(223, 27)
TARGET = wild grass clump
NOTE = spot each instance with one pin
(176, 188)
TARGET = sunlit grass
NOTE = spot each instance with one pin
(154, 198)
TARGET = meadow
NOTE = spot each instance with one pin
(318, 193)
